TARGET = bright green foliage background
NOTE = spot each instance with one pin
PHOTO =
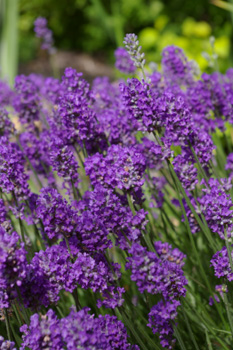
(98, 26)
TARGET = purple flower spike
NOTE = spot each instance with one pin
(160, 318)
(42, 31)
(124, 62)
(6, 344)
(132, 46)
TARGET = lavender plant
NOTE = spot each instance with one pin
(116, 208)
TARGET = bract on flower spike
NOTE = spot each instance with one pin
(132, 46)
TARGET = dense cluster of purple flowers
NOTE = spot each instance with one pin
(77, 330)
(12, 266)
(221, 264)
(13, 178)
(6, 344)
(87, 173)
(158, 272)
(57, 269)
(160, 321)
(123, 167)
(216, 205)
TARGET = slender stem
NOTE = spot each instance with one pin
(200, 223)
(189, 328)
(76, 300)
(205, 324)
(85, 150)
(75, 193)
(228, 249)
(68, 247)
(196, 252)
(7, 324)
(15, 336)
(131, 328)
(30, 165)
(17, 314)
(60, 311)
(202, 171)
(75, 292)
(208, 340)
(228, 312)
(24, 311)
(178, 337)
(22, 231)
(130, 202)
(79, 157)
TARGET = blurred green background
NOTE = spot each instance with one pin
(97, 27)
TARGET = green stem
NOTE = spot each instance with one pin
(208, 340)
(179, 338)
(189, 328)
(130, 202)
(79, 157)
(228, 312)
(22, 231)
(17, 314)
(85, 150)
(76, 300)
(205, 324)
(16, 337)
(131, 328)
(24, 310)
(75, 193)
(204, 229)
(30, 165)
(75, 292)
(202, 171)
(228, 249)
(7, 324)
(205, 278)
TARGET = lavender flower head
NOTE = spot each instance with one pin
(124, 62)
(79, 330)
(58, 217)
(6, 344)
(13, 178)
(132, 46)
(6, 125)
(221, 264)
(12, 266)
(229, 163)
(157, 274)
(42, 333)
(42, 31)
(57, 269)
(216, 205)
(160, 318)
(176, 68)
(123, 167)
